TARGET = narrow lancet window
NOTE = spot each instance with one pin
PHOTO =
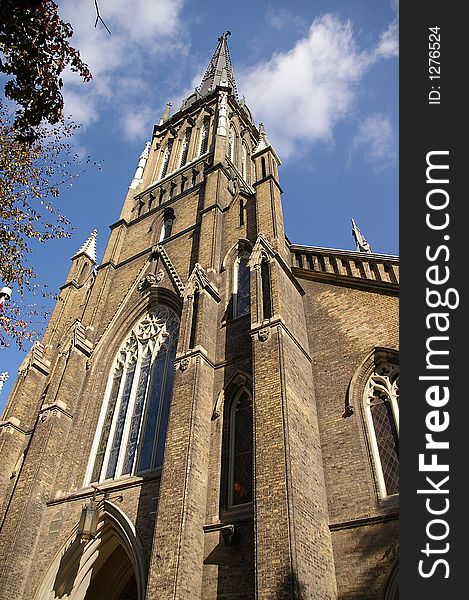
(240, 477)
(242, 287)
(195, 310)
(244, 162)
(231, 144)
(185, 147)
(167, 227)
(266, 293)
(166, 157)
(203, 146)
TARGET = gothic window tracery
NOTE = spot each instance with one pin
(381, 402)
(132, 430)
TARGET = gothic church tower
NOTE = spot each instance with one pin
(179, 432)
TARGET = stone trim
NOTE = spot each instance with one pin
(375, 271)
(35, 359)
(363, 522)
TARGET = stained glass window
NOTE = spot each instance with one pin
(134, 418)
(242, 287)
(240, 463)
(382, 411)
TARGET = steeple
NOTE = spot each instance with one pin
(220, 69)
(89, 247)
(362, 244)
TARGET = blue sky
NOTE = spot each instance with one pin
(322, 76)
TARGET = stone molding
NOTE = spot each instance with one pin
(35, 359)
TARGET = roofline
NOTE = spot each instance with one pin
(354, 253)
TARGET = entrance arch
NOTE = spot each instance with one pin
(109, 567)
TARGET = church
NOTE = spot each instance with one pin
(213, 410)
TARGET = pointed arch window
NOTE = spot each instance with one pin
(266, 289)
(381, 404)
(244, 162)
(241, 286)
(240, 467)
(166, 157)
(185, 146)
(132, 428)
(232, 144)
(167, 227)
(203, 145)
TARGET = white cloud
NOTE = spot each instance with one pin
(389, 41)
(140, 30)
(376, 140)
(281, 18)
(302, 94)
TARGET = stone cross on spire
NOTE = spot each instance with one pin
(362, 244)
(220, 69)
(89, 247)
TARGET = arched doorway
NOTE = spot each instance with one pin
(109, 567)
(391, 586)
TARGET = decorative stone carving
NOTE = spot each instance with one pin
(264, 334)
(149, 280)
(184, 364)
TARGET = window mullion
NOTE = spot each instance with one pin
(129, 413)
(114, 422)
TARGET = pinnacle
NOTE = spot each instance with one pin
(89, 247)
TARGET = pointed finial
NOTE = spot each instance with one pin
(89, 247)
(263, 139)
(167, 113)
(362, 244)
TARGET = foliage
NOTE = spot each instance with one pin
(35, 48)
(31, 174)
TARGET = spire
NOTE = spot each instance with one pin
(89, 247)
(219, 70)
(362, 244)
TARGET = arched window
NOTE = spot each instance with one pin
(166, 157)
(185, 146)
(203, 143)
(241, 286)
(240, 466)
(167, 227)
(244, 162)
(266, 293)
(132, 428)
(381, 403)
(232, 144)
